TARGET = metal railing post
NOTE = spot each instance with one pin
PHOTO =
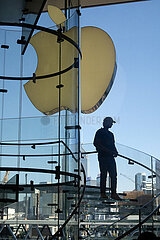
(140, 221)
(152, 193)
(152, 177)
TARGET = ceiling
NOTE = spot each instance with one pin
(29, 11)
(88, 3)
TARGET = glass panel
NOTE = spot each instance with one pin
(31, 16)
(28, 136)
(136, 186)
(9, 194)
(35, 128)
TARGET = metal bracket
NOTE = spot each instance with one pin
(59, 38)
(34, 78)
(73, 127)
(3, 90)
(4, 46)
(60, 86)
(78, 11)
(76, 62)
(57, 172)
(22, 40)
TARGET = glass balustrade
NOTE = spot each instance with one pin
(138, 184)
(42, 149)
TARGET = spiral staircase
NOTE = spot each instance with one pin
(137, 212)
(99, 219)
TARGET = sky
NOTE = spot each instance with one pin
(134, 98)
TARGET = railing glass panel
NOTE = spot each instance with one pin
(136, 180)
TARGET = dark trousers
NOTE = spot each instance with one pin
(107, 165)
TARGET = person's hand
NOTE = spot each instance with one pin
(115, 154)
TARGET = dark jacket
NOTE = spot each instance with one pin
(105, 143)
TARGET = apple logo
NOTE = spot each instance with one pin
(98, 68)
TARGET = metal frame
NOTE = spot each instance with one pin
(141, 222)
(51, 31)
(57, 172)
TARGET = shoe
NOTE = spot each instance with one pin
(115, 196)
(103, 195)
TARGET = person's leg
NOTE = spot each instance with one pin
(113, 175)
(103, 176)
(113, 184)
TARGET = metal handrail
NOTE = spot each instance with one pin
(139, 224)
(127, 158)
(58, 233)
(38, 155)
(50, 171)
(40, 28)
(80, 199)
(39, 170)
(29, 144)
(153, 199)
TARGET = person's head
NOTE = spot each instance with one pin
(147, 236)
(108, 122)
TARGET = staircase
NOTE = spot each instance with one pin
(99, 218)
(108, 219)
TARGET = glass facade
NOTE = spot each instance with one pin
(41, 179)
(42, 150)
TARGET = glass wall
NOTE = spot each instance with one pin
(39, 123)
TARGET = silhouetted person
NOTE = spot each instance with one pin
(105, 146)
(147, 236)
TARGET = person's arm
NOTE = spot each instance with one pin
(115, 152)
(99, 145)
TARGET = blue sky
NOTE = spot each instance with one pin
(134, 97)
